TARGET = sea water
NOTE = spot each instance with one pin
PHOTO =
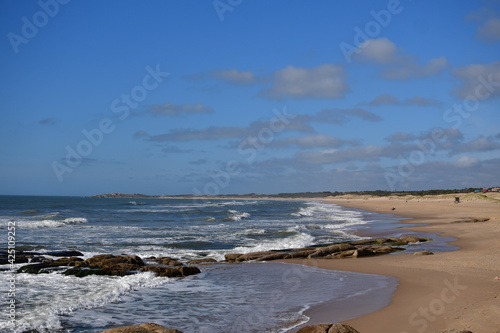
(250, 297)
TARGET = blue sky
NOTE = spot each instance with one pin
(238, 96)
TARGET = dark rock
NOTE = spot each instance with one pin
(105, 261)
(412, 239)
(202, 261)
(341, 255)
(326, 250)
(342, 328)
(231, 257)
(158, 328)
(33, 268)
(455, 331)
(370, 241)
(274, 256)
(189, 270)
(168, 261)
(423, 253)
(162, 271)
(254, 255)
(64, 254)
(79, 272)
(328, 328)
(143, 328)
(301, 254)
(363, 252)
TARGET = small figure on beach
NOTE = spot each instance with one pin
(457, 200)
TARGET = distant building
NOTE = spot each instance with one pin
(495, 189)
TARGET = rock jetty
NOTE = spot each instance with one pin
(354, 249)
(143, 328)
(109, 264)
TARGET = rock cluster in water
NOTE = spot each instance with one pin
(109, 264)
(354, 249)
(143, 328)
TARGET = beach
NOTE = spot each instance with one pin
(447, 290)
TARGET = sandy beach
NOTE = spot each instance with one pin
(448, 290)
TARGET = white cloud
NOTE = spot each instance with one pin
(324, 81)
(490, 30)
(397, 65)
(408, 69)
(388, 99)
(467, 162)
(233, 76)
(478, 80)
(176, 109)
(313, 141)
(380, 50)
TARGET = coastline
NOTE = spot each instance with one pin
(447, 290)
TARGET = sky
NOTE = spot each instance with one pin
(239, 96)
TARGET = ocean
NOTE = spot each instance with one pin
(248, 297)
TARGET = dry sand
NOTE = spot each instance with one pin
(448, 290)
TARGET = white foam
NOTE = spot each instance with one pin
(237, 216)
(296, 241)
(72, 294)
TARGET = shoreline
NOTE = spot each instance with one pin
(447, 290)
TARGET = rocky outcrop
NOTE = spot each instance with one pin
(202, 261)
(143, 328)
(354, 249)
(328, 328)
(22, 257)
(423, 253)
(109, 264)
(167, 261)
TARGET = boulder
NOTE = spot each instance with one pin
(168, 261)
(202, 261)
(423, 253)
(189, 270)
(143, 328)
(412, 239)
(318, 328)
(274, 256)
(341, 255)
(171, 271)
(64, 253)
(231, 257)
(328, 328)
(342, 328)
(33, 269)
(253, 255)
(79, 272)
(301, 254)
(455, 331)
(363, 252)
(326, 250)
(155, 328)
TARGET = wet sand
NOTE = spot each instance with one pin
(447, 290)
